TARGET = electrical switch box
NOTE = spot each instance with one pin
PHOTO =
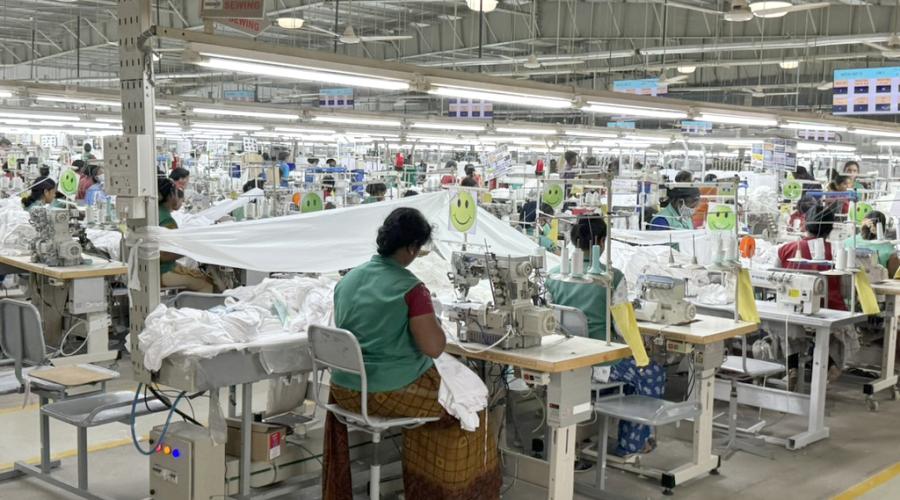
(186, 464)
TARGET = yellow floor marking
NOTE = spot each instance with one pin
(870, 483)
(71, 453)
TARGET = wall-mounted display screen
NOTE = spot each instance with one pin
(866, 91)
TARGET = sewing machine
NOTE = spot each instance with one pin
(661, 300)
(867, 260)
(798, 292)
(512, 314)
(54, 244)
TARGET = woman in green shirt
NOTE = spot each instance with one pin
(679, 212)
(42, 193)
(867, 238)
(389, 310)
(171, 274)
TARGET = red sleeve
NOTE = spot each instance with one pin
(419, 301)
(787, 251)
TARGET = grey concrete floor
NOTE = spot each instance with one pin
(862, 443)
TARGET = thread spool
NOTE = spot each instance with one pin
(595, 260)
(879, 228)
(719, 252)
(577, 263)
(817, 249)
(851, 258)
(840, 258)
(730, 249)
(564, 264)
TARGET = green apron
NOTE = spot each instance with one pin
(370, 302)
(673, 218)
(884, 249)
(166, 220)
(586, 297)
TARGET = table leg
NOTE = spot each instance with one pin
(816, 429)
(562, 462)
(246, 436)
(888, 378)
(568, 403)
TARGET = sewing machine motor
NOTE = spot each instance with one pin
(54, 244)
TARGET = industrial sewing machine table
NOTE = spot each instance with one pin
(567, 362)
(810, 405)
(888, 376)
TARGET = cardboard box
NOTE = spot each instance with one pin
(266, 441)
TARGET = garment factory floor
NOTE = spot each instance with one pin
(862, 458)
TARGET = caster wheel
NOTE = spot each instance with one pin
(895, 394)
(668, 492)
(714, 472)
(872, 405)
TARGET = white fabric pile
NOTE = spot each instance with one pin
(15, 229)
(106, 240)
(462, 393)
(297, 302)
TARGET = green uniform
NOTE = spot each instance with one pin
(371, 302)
(544, 241)
(588, 298)
(166, 221)
(885, 249)
(669, 218)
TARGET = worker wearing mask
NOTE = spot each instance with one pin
(590, 298)
(679, 212)
(181, 177)
(389, 310)
(376, 192)
(867, 238)
(85, 180)
(96, 193)
(42, 194)
(172, 274)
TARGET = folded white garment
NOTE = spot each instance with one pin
(462, 393)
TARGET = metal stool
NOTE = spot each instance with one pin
(337, 349)
(736, 369)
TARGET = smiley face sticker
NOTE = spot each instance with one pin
(68, 183)
(311, 202)
(720, 218)
(792, 190)
(862, 210)
(553, 195)
(463, 212)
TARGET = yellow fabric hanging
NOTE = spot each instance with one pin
(623, 315)
(865, 293)
(897, 274)
(746, 301)
(554, 230)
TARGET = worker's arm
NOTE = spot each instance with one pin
(428, 334)
(893, 264)
(168, 257)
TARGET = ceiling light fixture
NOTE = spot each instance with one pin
(162, 107)
(874, 132)
(38, 116)
(532, 62)
(292, 130)
(302, 73)
(251, 114)
(589, 133)
(526, 131)
(613, 109)
(482, 5)
(888, 143)
(751, 120)
(5, 93)
(529, 100)
(464, 127)
(227, 126)
(789, 64)
(758, 9)
(686, 69)
(357, 121)
(813, 126)
(77, 100)
(290, 23)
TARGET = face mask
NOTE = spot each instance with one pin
(101, 178)
(686, 211)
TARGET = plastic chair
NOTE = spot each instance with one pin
(337, 349)
(197, 300)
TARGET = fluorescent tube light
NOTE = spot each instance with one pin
(612, 109)
(725, 141)
(590, 133)
(162, 107)
(5, 94)
(789, 64)
(752, 120)
(888, 143)
(449, 126)
(301, 73)
(526, 131)
(357, 121)
(39, 116)
(502, 97)
(292, 130)
(875, 133)
(227, 126)
(251, 114)
(813, 126)
(78, 100)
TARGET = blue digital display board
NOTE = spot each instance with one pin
(866, 91)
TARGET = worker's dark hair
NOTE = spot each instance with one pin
(851, 162)
(470, 170)
(570, 156)
(801, 174)
(683, 193)
(450, 164)
(871, 233)
(331, 160)
(37, 191)
(44, 171)
(684, 176)
(87, 147)
(92, 171)
(468, 182)
(376, 189)
(710, 178)
(410, 192)
(328, 180)
(255, 183)
(820, 220)
(283, 155)
(805, 203)
(179, 173)
(404, 227)
(79, 165)
(166, 189)
(588, 231)
(837, 181)
(528, 213)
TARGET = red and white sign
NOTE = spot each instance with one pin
(248, 26)
(228, 9)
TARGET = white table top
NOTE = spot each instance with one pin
(98, 267)
(556, 354)
(703, 330)
(770, 311)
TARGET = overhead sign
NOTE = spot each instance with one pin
(337, 98)
(233, 9)
(866, 91)
(469, 108)
(696, 127)
(620, 124)
(251, 27)
(775, 154)
(647, 86)
(497, 161)
(239, 95)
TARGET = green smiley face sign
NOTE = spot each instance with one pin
(720, 218)
(862, 210)
(726, 191)
(792, 190)
(311, 202)
(553, 195)
(463, 212)
(68, 183)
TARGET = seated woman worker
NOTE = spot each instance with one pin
(389, 310)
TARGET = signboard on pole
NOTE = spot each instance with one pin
(497, 162)
(233, 9)
(251, 27)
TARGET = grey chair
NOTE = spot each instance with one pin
(337, 349)
(197, 300)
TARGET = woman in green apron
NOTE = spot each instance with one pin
(867, 238)
(679, 212)
(43, 193)
(389, 310)
(590, 298)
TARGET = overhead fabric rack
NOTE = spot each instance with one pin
(332, 240)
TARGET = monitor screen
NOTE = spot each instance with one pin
(866, 91)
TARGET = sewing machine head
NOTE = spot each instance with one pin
(54, 244)
(512, 314)
(661, 300)
(798, 292)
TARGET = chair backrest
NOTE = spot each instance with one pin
(571, 320)
(337, 349)
(197, 300)
(21, 334)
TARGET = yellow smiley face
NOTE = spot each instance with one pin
(462, 212)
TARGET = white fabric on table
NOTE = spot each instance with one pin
(462, 393)
(16, 232)
(209, 216)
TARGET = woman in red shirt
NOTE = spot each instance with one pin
(819, 223)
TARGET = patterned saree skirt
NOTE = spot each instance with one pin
(441, 461)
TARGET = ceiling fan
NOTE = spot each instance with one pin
(890, 49)
(672, 80)
(758, 92)
(738, 11)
